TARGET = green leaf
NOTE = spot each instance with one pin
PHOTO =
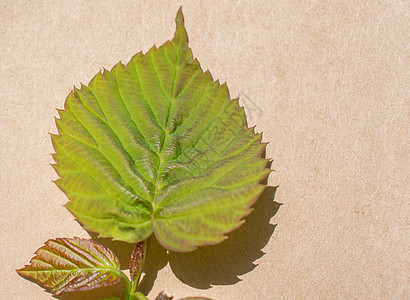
(157, 146)
(70, 265)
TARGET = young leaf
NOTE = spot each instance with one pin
(137, 260)
(69, 265)
(157, 146)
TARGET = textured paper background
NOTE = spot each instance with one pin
(327, 83)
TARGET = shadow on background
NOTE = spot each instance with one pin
(211, 265)
(207, 266)
(219, 264)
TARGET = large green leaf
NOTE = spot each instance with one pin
(69, 265)
(157, 145)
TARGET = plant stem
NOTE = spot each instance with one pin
(138, 296)
(136, 263)
(127, 286)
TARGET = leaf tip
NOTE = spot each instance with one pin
(180, 36)
(179, 19)
(21, 271)
(82, 86)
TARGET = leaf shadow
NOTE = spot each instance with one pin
(219, 264)
(205, 267)
(117, 290)
(156, 259)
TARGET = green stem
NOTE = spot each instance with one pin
(138, 296)
(127, 286)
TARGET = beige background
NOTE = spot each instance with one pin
(327, 83)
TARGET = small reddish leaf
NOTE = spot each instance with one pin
(73, 264)
(137, 259)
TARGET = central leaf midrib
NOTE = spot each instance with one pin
(161, 160)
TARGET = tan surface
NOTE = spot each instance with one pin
(326, 83)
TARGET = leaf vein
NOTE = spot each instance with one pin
(144, 97)
(85, 171)
(132, 190)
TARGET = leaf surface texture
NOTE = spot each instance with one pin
(69, 265)
(157, 146)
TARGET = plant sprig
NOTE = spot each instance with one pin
(153, 147)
